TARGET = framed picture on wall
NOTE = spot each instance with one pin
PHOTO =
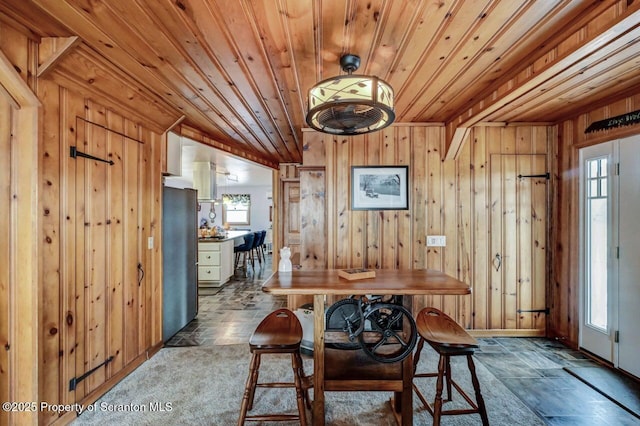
(379, 188)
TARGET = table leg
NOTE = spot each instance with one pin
(406, 397)
(402, 402)
(318, 360)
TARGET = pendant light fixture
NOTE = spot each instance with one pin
(350, 104)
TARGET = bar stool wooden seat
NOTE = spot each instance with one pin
(280, 332)
(448, 339)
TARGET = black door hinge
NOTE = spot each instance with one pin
(74, 382)
(74, 153)
(545, 310)
(547, 176)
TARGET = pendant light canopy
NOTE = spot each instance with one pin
(350, 104)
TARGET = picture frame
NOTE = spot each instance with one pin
(379, 187)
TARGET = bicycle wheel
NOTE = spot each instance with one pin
(387, 341)
(343, 315)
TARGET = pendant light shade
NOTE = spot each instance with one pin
(350, 104)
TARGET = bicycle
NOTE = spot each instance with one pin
(374, 325)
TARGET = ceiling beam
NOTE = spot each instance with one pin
(578, 46)
(199, 136)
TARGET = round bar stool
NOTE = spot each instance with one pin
(448, 339)
(280, 332)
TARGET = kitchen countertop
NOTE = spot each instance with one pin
(230, 235)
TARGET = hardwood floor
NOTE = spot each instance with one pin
(532, 368)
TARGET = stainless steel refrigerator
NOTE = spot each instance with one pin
(179, 259)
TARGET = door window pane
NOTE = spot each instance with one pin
(597, 244)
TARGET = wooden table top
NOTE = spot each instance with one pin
(386, 281)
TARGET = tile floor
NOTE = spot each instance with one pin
(532, 368)
(231, 315)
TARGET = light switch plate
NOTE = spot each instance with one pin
(436, 241)
(150, 243)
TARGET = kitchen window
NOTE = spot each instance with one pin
(236, 209)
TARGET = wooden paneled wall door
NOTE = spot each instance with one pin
(106, 271)
(517, 255)
(312, 218)
(291, 219)
(99, 274)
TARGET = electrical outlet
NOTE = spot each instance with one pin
(436, 241)
(150, 243)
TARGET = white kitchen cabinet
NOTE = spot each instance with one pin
(215, 262)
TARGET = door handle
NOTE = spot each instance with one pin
(497, 261)
(140, 274)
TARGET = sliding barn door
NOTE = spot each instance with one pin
(517, 259)
(105, 255)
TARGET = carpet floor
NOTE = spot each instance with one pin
(204, 386)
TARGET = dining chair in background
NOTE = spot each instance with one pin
(244, 250)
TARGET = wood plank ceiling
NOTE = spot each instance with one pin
(239, 70)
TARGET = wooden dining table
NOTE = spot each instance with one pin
(352, 370)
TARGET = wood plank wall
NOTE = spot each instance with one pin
(18, 244)
(450, 198)
(93, 222)
(564, 289)
(5, 253)
(19, 132)
(97, 220)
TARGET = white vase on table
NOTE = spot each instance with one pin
(285, 262)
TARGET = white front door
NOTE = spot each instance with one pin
(610, 231)
(629, 242)
(598, 258)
